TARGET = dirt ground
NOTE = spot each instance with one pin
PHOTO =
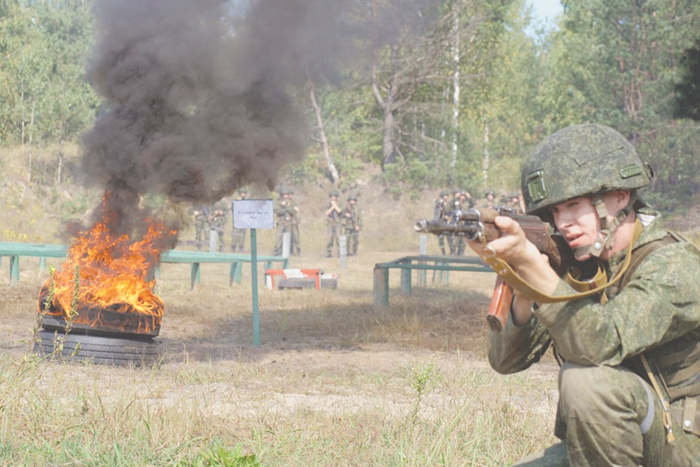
(330, 335)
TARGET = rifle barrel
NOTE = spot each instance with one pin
(439, 227)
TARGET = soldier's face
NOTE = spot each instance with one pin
(578, 221)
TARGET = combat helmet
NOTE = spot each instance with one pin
(352, 197)
(334, 193)
(583, 160)
(444, 193)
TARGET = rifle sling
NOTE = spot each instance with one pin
(513, 279)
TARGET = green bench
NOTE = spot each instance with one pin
(422, 263)
(16, 250)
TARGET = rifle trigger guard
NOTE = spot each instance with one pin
(480, 228)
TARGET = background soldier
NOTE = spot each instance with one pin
(454, 205)
(294, 212)
(489, 201)
(333, 217)
(218, 222)
(238, 235)
(441, 213)
(283, 219)
(467, 200)
(514, 203)
(201, 225)
(352, 224)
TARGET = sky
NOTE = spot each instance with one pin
(545, 10)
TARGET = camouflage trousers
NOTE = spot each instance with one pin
(353, 241)
(611, 417)
(296, 245)
(237, 239)
(332, 237)
(201, 234)
(282, 228)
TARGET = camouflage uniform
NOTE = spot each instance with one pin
(609, 413)
(201, 225)
(333, 221)
(441, 214)
(218, 222)
(489, 201)
(283, 218)
(295, 247)
(238, 235)
(455, 205)
(352, 224)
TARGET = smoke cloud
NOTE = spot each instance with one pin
(196, 93)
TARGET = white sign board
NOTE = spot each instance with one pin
(253, 214)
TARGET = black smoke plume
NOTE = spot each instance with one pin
(197, 96)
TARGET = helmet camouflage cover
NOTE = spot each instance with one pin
(580, 160)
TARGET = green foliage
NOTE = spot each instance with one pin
(687, 101)
(43, 49)
(216, 455)
(614, 62)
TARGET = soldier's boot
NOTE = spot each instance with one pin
(328, 254)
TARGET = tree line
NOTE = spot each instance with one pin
(438, 94)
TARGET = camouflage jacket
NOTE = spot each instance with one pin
(293, 210)
(282, 211)
(334, 218)
(657, 314)
(351, 218)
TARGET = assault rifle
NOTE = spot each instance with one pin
(477, 224)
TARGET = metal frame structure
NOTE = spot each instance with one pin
(421, 263)
(15, 250)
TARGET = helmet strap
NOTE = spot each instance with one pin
(606, 235)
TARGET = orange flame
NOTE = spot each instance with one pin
(115, 273)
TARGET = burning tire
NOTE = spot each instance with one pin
(100, 349)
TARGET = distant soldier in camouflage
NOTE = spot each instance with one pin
(454, 205)
(218, 222)
(630, 374)
(352, 225)
(514, 203)
(238, 235)
(467, 200)
(201, 225)
(333, 214)
(283, 219)
(489, 201)
(441, 213)
(294, 212)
